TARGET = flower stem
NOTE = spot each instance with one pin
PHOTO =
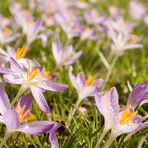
(73, 111)
(101, 137)
(112, 137)
(21, 91)
(110, 70)
(6, 137)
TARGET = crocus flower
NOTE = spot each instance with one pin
(64, 56)
(124, 120)
(121, 42)
(6, 35)
(85, 87)
(33, 29)
(16, 119)
(33, 79)
(141, 10)
(18, 55)
(93, 16)
(70, 23)
(89, 33)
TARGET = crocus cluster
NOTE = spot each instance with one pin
(60, 27)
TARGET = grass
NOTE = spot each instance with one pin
(85, 127)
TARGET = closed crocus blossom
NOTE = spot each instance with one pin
(124, 120)
(18, 55)
(64, 56)
(16, 119)
(32, 79)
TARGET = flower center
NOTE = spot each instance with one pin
(66, 58)
(127, 115)
(90, 81)
(45, 75)
(7, 31)
(32, 72)
(23, 115)
(20, 52)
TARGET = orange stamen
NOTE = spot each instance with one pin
(20, 52)
(32, 72)
(90, 81)
(127, 115)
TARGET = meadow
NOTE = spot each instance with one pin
(73, 73)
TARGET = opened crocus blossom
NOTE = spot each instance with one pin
(31, 78)
(124, 120)
(18, 55)
(85, 88)
(16, 119)
(65, 55)
(141, 10)
(33, 29)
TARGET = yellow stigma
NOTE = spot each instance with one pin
(22, 114)
(20, 52)
(90, 81)
(134, 40)
(66, 58)
(32, 72)
(45, 74)
(127, 115)
(7, 31)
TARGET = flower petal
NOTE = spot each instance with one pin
(131, 126)
(52, 136)
(25, 101)
(38, 127)
(11, 119)
(40, 99)
(53, 86)
(108, 106)
(13, 78)
(15, 65)
(4, 100)
(138, 94)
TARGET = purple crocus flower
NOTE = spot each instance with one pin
(141, 10)
(33, 29)
(16, 119)
(33, 79)
(64, 56)
(85, 87)
(6, 35)
(17, 55)
(124, 120)
(138, 94)
(89, 33)
(70, 23)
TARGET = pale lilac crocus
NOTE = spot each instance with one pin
(32, 28)
(31, 79)
(70, 23)
(89, 33)
(18, 119)
(122, 40)
(85, 88)
(64, 56)
(6, 35)
(18, 55)
(124, 120)
(94, 17)
(141, 10)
